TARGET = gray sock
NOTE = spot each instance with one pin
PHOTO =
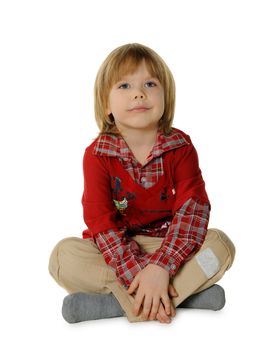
(80, 307)
(212, 298)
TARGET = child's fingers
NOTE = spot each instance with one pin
(162, 316)
(167, 303)
(172, 291)
(137, 303)
(173, 310)
(155, 308)
(146, 307)
(159, 318)
(133, 285)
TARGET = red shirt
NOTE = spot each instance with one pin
(166, 197)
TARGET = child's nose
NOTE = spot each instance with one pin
(139, 94)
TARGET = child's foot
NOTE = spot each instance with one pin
(212, 298)
(80, 307)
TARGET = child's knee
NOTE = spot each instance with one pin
(54, 260)
(226, 242)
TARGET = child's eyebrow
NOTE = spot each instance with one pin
(150, 78)
(125, 78)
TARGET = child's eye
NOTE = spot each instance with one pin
(150, 84)
(123, 86)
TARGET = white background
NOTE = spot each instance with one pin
(220, 54)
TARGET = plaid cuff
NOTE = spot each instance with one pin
(168, 262)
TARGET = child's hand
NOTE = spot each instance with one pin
(152, 291)
(161, 315)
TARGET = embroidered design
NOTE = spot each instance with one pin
(120, 197)
(130, 195)
(164, 195)
(116, 185)
(121, 205)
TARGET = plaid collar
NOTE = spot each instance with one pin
(115, 145)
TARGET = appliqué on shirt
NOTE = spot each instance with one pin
(121, 198)
(121, 205)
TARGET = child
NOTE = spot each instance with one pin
(147, 249)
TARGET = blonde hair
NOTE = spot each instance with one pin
(125, 60)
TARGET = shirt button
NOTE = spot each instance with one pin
(143, 179)
(173, 267)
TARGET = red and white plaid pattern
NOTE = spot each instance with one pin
(183, 236)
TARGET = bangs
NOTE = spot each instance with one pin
(129, 64)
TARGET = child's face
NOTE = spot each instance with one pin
(136, 101)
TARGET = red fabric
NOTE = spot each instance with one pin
(106, 180)
(182, 224)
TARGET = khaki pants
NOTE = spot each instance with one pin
(78, 266)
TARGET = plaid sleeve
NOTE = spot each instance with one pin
(185, 236)
(123, 256)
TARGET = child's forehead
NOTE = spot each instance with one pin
(128, 68)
